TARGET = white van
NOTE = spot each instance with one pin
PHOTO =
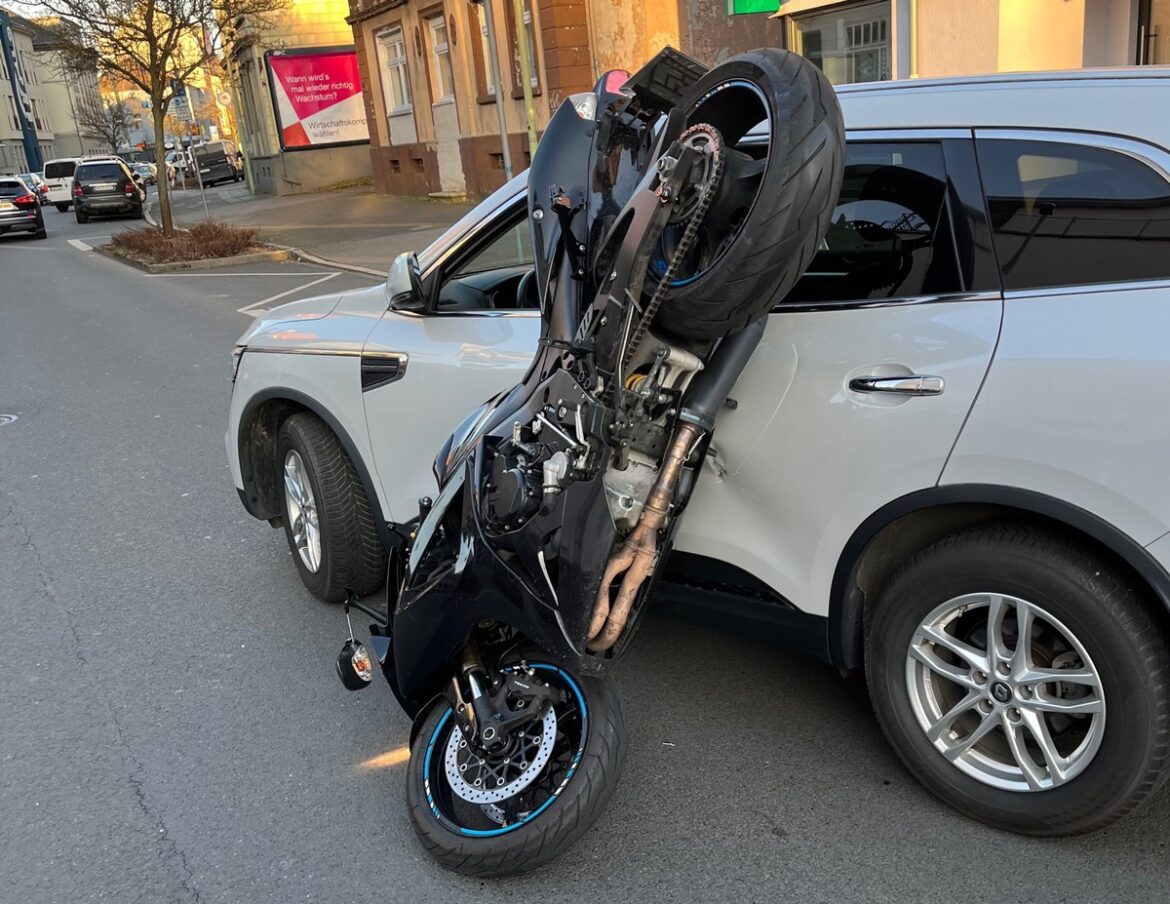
(58, 174)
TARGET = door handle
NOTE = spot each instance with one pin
(911, 384)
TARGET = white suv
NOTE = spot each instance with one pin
(945, 463)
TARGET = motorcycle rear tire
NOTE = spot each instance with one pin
(549, 833)
(794, 202)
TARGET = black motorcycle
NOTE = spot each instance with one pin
(669, 211)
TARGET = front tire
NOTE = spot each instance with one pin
(1062, 734)
(327, 518)
(578, 781)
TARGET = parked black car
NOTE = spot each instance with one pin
(20, 208)
(106, 187)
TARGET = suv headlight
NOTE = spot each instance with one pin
(237, 357)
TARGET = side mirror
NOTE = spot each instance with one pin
(404, 286)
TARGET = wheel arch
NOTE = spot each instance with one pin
(256, 444)
(901, 528)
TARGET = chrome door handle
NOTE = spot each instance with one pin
(913, 384)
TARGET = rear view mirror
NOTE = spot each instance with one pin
(404, 285)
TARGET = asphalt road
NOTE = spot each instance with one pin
(171, 729)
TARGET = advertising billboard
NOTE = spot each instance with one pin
(317, 98)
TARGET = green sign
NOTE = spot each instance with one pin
(740, 7)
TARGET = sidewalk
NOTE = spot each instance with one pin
(352, 227)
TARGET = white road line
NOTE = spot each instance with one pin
(80, 245)
(260, 306)
(228, 274)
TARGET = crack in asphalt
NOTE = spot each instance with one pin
(136, 778)
(43, 580)
(137, 782)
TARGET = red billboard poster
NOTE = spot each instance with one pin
(317, 96)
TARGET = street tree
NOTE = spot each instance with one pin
(156, 45)
(110, 122)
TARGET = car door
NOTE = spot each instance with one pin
(423, 373)
(866, 370)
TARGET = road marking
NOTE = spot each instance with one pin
(259, 307)
(227, 275)
(80, 245)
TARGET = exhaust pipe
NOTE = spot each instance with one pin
(637, 558)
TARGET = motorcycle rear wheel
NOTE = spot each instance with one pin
(768, 218)
(579, 778)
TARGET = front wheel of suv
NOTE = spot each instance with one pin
(327, 518)
(1023, 680)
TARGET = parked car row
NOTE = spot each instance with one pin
(20, 207)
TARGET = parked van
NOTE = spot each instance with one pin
(58, 175)
(216, 162)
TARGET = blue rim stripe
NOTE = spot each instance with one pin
(503, 830)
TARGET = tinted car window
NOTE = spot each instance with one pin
(10, 188)
(61, 169)
(890, 234)
(99, 172)
(1066, 214)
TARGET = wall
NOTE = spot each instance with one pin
(625, 35)
(304, 23)
(1041, 34)
(1110, 32)
(305, 171)
(956, 38)
(710, 35)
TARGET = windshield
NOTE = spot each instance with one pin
(100, 171)
(59, 169)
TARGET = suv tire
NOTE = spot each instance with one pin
(81, 217)
(350, 554)
(1027, 570)
(61, 207)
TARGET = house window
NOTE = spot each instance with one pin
(442, 79)
(517, 79)
(37, 117)
(481, 51)
(13, 116)
(849, 44)
(395, 75)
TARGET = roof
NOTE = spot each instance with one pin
(1060, 76)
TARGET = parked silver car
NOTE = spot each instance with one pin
(945, 464)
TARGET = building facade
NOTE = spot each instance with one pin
(26, 130)
(430, 99)
(866, 40)
(272, 169)
(72, 99)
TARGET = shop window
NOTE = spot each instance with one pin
(441, 77)
(849, 43)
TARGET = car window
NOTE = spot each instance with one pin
(59, 169)
(10, 188)
(100, 171)
(890, 235)
(512, 248)
(1067, 214)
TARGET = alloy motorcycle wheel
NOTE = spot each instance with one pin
(480, 814)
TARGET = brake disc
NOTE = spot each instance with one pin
(487, 780)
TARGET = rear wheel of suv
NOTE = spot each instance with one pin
(1023, 680)
(62, 207)
(327, 518)
(81, 217)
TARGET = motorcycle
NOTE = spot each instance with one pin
(669, 211)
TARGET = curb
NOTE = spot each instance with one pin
(210, 263)
(302, 255)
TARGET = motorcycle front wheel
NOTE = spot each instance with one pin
(494, 815)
